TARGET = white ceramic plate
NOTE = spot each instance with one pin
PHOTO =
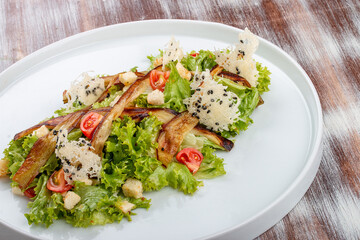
(268, 171)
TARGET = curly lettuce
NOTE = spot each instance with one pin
(204, 60)
(176, 90)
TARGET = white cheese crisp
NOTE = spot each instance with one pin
(212, 104)
(172, 52)
(78, 161)
(239, 58)
(85, 89)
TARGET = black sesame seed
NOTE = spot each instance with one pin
(108, 95)
(63, 135)
(196, 104)
(231, 105)
(235, 98)
(204, 107)
(66, 170)
(198, 110)
(162, 149)
(198, 89)
(208, 111)
(212, 100)
(169, 54)
(55, 132)
(203, 77)
(199, 106)
(220, 102)
(197, 117)
(89, 144)
(241, 41)
(225, 95)
(78, 167)
(193, 114)
(70, 178)
(217, 124)
(56, 146)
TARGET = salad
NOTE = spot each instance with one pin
(120, 136)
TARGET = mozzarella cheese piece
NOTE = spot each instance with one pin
(132, 188)
(172, 52)
(71, 199)
(211, 103)
(78, 161)
(239, 59)
(127, 78)
(156, 97)
(85, 89)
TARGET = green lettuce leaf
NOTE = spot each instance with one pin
(46, 207)
(153, 58)
(176, 90)
(130, 151)
(249, 99)
(114, 91)
(205, 60)
(211, 166)
(77, 105)
(17, 151)
(264, 78)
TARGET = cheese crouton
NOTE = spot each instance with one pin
(4, 167)
(132, 188)
(70, 200)
(127, 78)
(125, 206)
(158, 62)
(17, 191)
(42, 131)
(183, 72)
(156, 97)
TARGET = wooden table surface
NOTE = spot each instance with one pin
(322, 35)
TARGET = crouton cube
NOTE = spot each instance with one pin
(71, 199)
(158, 62)
(42, 131)
(4, 166)
(183, 72)
(87, 181)
(17, 191)
(125, 206)
(156, 97)
(127, 78)
(132, 188)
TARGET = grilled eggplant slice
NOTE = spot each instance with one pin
(172, 135)
(42, 150)
(103, 130)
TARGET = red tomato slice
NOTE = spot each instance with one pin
(191, 157)
(30, 193)
(158, 79)
(89, 123)
(57, 182)
(194, 54)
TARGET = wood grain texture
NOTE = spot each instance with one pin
(322, 35)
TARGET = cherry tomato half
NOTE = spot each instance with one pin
(30, 192)
(57, 182)
(89, 123)
(158, 79)
(191, 157)
(194, 54)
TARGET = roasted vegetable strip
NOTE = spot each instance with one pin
(103, 131)
(42, 150)
(172, 135)
(163, 114)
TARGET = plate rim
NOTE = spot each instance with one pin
(308, 171)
